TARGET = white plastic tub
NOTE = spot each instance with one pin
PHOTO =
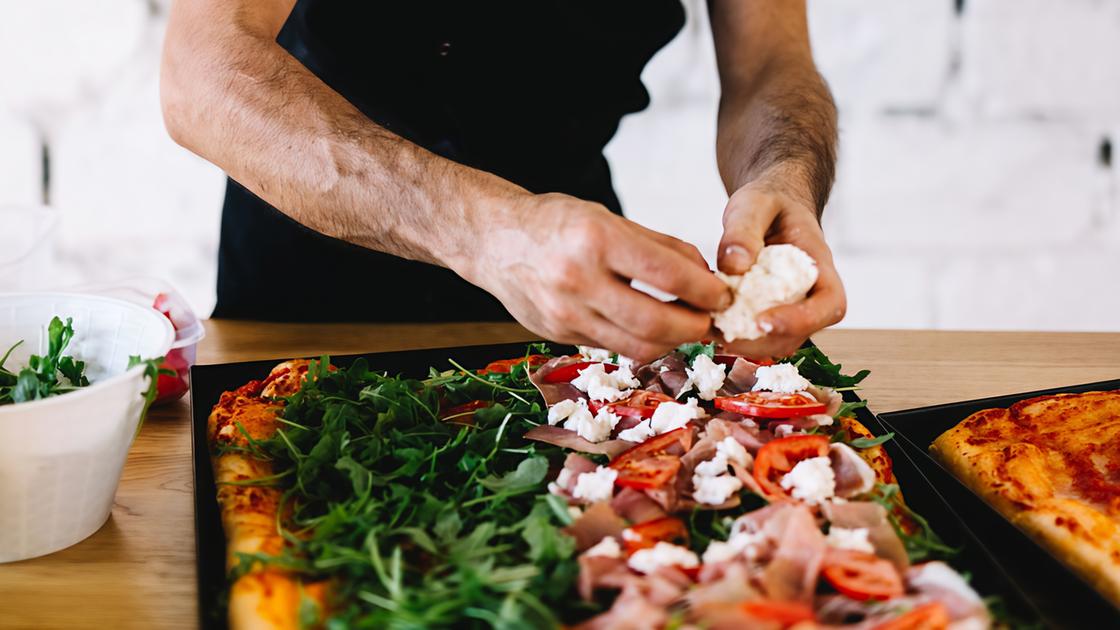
(61, 457)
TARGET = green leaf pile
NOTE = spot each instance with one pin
(49, 375)
(420, 523)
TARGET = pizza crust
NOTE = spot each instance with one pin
(1033, 461)
(263, 597)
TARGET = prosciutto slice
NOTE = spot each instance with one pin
(828, 396)
(601, 572)
(741, 377)
(555, 392)
(666, 375)
(792, 572)
(595, 523)
(749, 437)
(635, 506)
(558, 436)
(873, 518)
(854, 476)
(632, 610)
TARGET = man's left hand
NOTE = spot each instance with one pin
(769, 210)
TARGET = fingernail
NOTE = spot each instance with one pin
(726, 300)
(735, 259)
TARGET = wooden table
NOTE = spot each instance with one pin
(138, 570)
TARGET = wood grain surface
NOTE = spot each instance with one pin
(138, 570)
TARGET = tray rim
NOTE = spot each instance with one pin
(208, 620)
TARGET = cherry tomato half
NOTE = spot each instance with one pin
(647, 534)
(505, 365)
(931, 616)
(770, 404)
(778, 457)
(650, 464)
(568, 373)
(784, 613)
(861, 576)
(640, 404)
(464, 413)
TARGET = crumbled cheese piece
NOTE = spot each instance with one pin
(785, 430)
(782, 274)
(811, 480)
(638, 433)
(672, 415)
(822, 419)
(662, 554)
(626, 362)
(631, 535)
(706, 376)
(562, 481)
(564, 410)
(780, 377)
(595, 354)
(607, 547)
(592, 428)
(938, 575)
(717, 465)
(734, 451)
(854, 539)
(740, 543)
(601, 385)
(714, 490)
(595, 486)
(728, 450)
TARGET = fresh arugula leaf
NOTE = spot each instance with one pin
(695, 349)
(863, 442)
(923, 544)
(847, 409)
(815, 365)
(40, 378)
(152, 371)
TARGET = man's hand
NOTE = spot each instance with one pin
(776, 209)
(563, 266)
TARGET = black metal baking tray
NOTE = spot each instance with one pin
(1063, 598)
(209, 381)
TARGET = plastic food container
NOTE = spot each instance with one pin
(61, 457)
(160, 295)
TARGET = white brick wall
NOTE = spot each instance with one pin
(970, 193)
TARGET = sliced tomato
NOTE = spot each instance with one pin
(653, 463)
(664, 444)
(931, 616)
(778, 457)
(505, 365)
(784, 613)
(644, 535)
(640, 404)
(648, 473)
(861, 576)
(770, 404)
(464, 413)
(568, 373)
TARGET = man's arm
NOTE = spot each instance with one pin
(776, 149)
(562, 266)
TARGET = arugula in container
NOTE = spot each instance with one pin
(44, 376)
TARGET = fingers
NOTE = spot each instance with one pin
(647, 318)
(617, 339)
(746, 220)
(671, 270)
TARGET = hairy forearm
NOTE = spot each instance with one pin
(242, 102)
(783, 120)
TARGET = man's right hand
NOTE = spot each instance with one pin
(563, 266)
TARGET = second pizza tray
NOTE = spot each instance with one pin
(208, 382)
(1063, 598)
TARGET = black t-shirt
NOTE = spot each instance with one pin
(531, 90)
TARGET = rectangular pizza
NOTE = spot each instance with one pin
(576, 490)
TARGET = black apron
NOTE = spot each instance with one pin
(531, 90)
